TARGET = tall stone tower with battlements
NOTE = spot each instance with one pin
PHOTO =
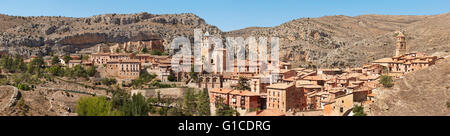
(401, 44)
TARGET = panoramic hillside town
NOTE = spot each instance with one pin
(286, 90)
(224, 67)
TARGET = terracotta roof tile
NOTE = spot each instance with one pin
(221, 90)
(270, 112)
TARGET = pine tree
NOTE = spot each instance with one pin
(203, 106)
(55, 60)
(242, 84)
(386, 81)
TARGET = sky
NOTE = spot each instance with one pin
(227, 14)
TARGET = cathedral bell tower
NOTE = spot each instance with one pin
(401, 44)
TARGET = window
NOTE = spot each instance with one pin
(341, 109)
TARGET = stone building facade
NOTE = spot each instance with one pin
(283, 97)
(124, 69)
(103, 58)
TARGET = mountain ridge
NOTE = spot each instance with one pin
(328, 41)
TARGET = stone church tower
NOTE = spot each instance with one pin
(401, 44)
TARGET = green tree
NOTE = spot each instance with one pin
(145, 50)
(156, 52)
(225, 110)
(171, 78)
(203, 106)
(151, 101)
(165, 53)
(358, 111)
(23, 86)
(79, 71)
(18, 64)
(108, 81)
(138, 106)
(95, 106)
(164, 110)
(67, 58)
(68, 72)
(158, 84)
(84, 57)
(119, 98)
(193, 74)
(55, 70)
(55, 60)
(6, 63)
(91, 71)
(145, 76)
(385, 70)
(12, 65)
(189, 102)
(386, 81)
(242, 84)
(137, 83)
(36, 66)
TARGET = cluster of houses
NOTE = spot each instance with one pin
(280, 91)
(332, 92)
(126, 66)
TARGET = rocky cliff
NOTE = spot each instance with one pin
(42, 35)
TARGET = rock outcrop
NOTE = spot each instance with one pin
(15, 96)
(64, 34)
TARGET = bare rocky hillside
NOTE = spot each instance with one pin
(420, 93)
(340, 41)
(42, 35)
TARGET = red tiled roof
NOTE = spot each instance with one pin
(270, 112)
(138, 55)
(280, 86)
(221, 90)
(243, 93)
(125, 61)
(120, 54)
(384, 60)
(100, 54)
(74, 61)
(313, 78)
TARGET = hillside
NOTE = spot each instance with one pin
(340, 41)
(42, 35)
(330, 41)
(421, 93)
